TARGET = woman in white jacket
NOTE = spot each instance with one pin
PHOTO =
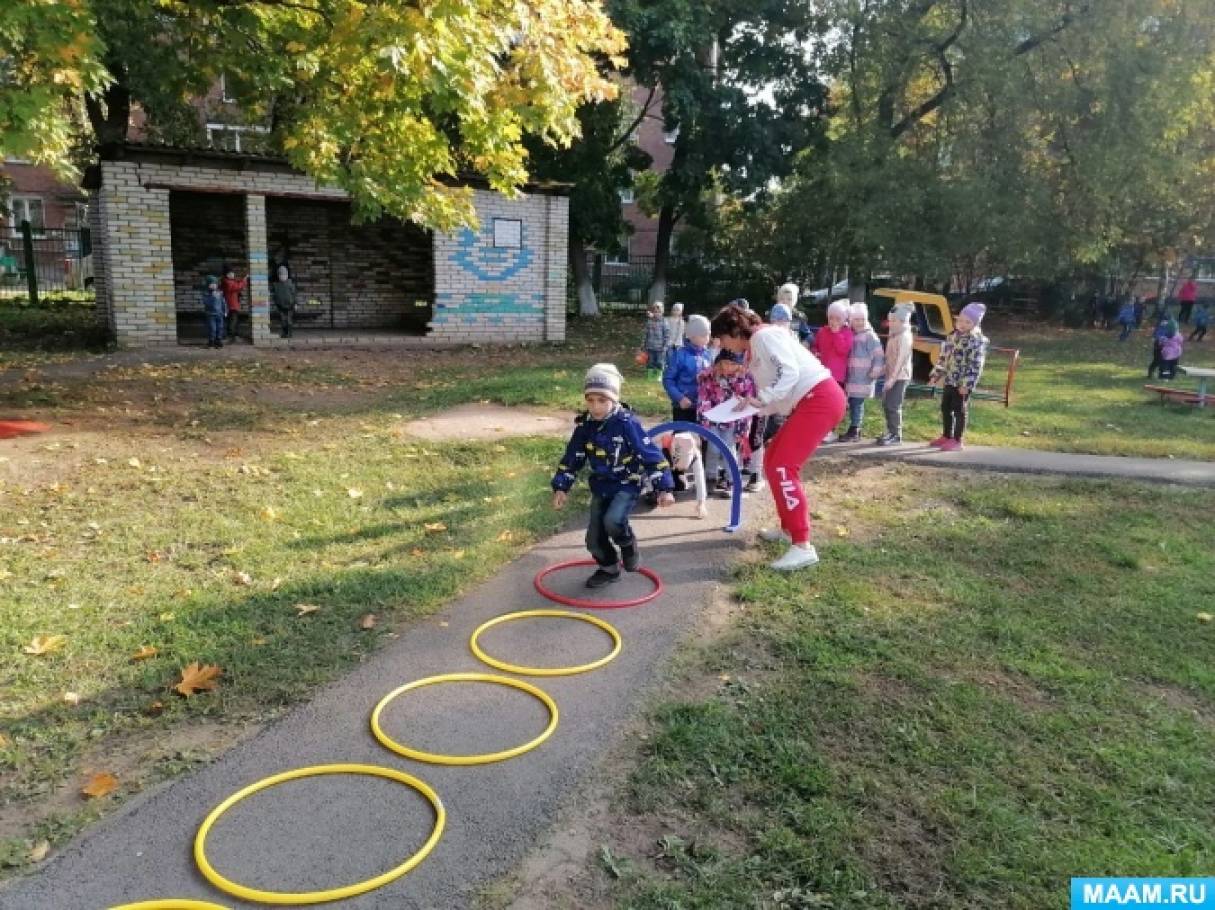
(790, 381)
(898, 372)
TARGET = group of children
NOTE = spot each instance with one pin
(698, 376)
(221, 304)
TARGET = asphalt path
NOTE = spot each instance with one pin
(326, 832)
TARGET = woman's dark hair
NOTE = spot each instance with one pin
(735, 322)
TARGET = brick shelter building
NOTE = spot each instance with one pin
(163, 218)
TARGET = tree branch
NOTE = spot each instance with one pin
(1065, 21)
(645, 109)
(941, 49)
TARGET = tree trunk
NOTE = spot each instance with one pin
(110, 122)
(662, 255)
(588, 305)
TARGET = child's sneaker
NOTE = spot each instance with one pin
(951, 445)
(939, 441)
(831, 437)
(796, 557)
(755, 484)
(722, 487)
(630, 558)
(889, 440)
(853, 435)
(602, 577)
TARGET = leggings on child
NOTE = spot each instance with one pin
(856, 412)
(818, 411)
(954, 407)
(715, 462)
(1199, 333)
(892, 404)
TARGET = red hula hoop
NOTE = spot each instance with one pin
(594, 604)
(9, 429)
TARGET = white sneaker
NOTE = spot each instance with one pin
(796, 558)
(774, 535)
(831, 437)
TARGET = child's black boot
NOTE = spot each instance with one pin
(630, 557)
(602, 577)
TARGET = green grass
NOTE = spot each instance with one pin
(53, 327)
(122, 557)
(991, 695)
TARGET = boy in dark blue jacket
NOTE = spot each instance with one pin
(684, 365)
(215, 309)
(610, 439)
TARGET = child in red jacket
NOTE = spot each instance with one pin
(832, 345)
(231, 287)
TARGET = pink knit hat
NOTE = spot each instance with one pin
(974, 312)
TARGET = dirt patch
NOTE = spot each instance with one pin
(1195, 706)
(1012, 686)
(908, 853)
(137, 761)
(489, 421)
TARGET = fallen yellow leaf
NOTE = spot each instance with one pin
(1205, 617)
(135, 462)
(196, 678)
(842, 531)
(39, 851)
(305, 609)
(3, 741)
(435, 528)
(368, 621)
(242, 578)
(276, 584)
(144, 653)
(71, 698)
(354, 494)
(99, 785)
(506, 536)
(45, 644)
(269, 513)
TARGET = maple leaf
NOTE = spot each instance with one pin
(45, 644)
(154, 708)
(354, 494)
(39, 851)
(135, 462)
(144, 653)
(305, 609)
(196, 678)
(101, 784)
(436, 528)
(368, 622)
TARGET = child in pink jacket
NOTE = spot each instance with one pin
(833, 344)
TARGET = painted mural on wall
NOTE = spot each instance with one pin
(498, 257)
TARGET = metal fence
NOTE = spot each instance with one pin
(701, 285)
(35, 261)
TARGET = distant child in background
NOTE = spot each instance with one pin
(610, 439)
(282, 293)
(802, 329)
(726, 379)
(959, 368)
(655, 340)
(781, 317)
(675, 328)
(1126, 319)
(683, 368)
(1158, 336)
(232, 288)
(1170, 350)
(1202, 318)
(214, 309)
(833, 346)
(1140, 309)
(866, 363)
(897, 373)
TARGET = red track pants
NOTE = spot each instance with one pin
(812, 418)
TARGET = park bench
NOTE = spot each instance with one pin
(1178, 396)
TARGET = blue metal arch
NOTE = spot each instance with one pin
(683, 426)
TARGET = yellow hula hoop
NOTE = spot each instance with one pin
(545, 671)
(170, 903)
(311, 897)
(486, 758)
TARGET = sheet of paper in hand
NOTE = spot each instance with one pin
(726, 412)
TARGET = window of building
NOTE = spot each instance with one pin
(627, 196)
(223, 90)
(227, 136)
(621, 256)
(26, 208)
(670, 137)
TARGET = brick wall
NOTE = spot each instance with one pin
(370, 275)
(208, 231)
